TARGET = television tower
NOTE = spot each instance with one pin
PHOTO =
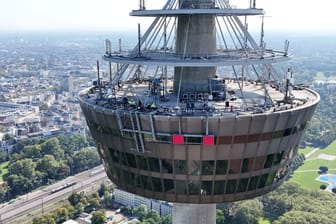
(196, 114)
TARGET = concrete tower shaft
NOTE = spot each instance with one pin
(196, 38)
(194, 213)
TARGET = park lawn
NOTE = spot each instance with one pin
(306, 180)
(263, 221)
(320, 76)
(314, 164)
(4, 170)
(306, 150)
(329, 150)
(311, 166)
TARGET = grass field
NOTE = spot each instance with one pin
(3, 168)
(306, 150)
(320, 76)
(308, 172)
(263, 221)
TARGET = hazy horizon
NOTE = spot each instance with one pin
(106, 15)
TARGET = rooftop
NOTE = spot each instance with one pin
(232, 101)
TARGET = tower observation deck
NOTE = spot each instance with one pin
(196, 113)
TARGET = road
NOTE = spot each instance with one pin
(42, 198)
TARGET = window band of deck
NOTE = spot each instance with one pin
(198, 139)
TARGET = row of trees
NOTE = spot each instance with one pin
(37, 162)
(78, 203)
(97, 202)
(322, 128)
(144, 216)
(289, 204)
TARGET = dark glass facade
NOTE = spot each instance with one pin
(232, 168)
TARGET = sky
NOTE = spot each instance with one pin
(72, 15)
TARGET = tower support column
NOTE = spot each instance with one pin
(194, 213)
(195, 39)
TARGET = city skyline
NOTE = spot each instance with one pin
(77, 15)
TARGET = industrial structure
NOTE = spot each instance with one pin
(196, 114)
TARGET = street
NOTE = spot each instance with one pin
(40, 199)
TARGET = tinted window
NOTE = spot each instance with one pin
(242, 186)
(154, 164)
(142, 163)
(180, 167)
(168, 185)
(253, 183)
(231, 186)
(208, 167)
(206, 188)
(146, 182)
(193, 140)
(181, 187)
(219, 187)
(194, 187)
(131, 160)
(195, 168)
(221, 166)
(167, 166)
(269, 161)
(157, 184)
(262, 181)
(270, 178)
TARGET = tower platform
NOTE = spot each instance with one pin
(196, 113)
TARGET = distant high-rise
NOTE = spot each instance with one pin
(196, 114)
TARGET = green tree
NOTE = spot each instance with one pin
(3, 156)
(248, 212)
(140, 212)
(63, 170)
(75, 198)
(52, 147)
(18, 147)
(300, 217)
(149, 221)
(49, 166)
(107, 200)
(126, 210)
(72, 144)
(32, 151)
(166, 219)
(3, 193)
(98, 217)
(79, 209)
(85, 159)
(296, 205)
(95, 195)
(9, 138)
(61, 215)
(24, 167)
(46, 219)
(19, 184)
(153, 215)
(102, 189)
(71, 210)
(93, 204)
(220, 218)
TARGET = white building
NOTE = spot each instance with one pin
(162, 207)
